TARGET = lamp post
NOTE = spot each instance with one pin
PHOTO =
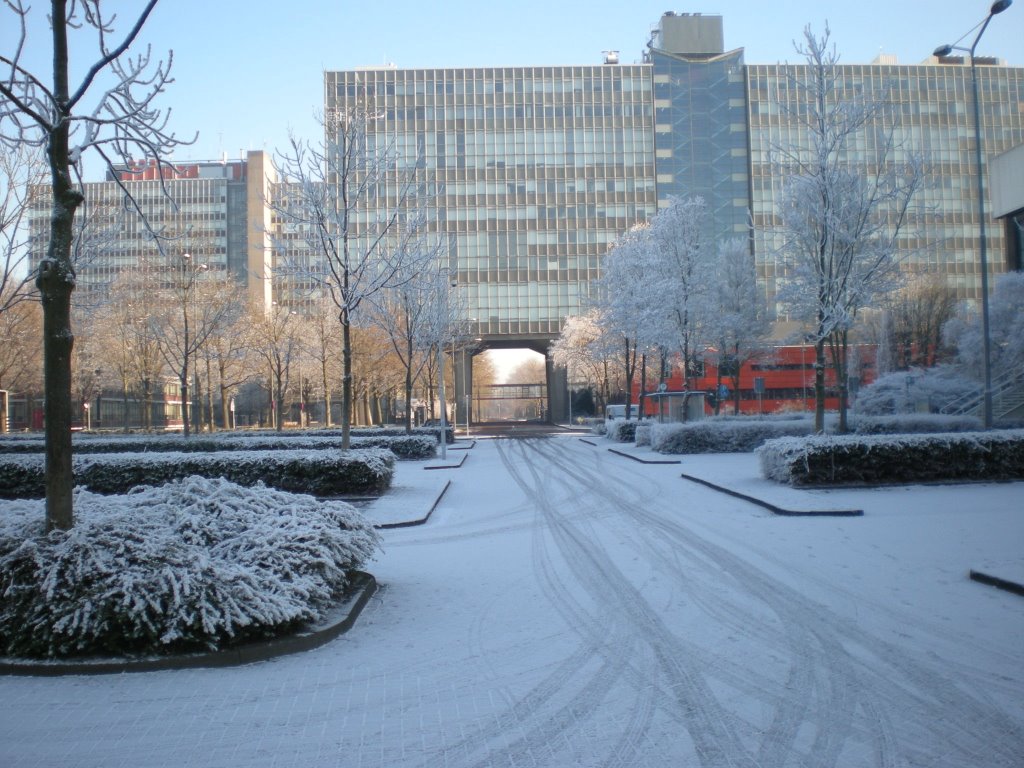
(443, 333)
(944, 50)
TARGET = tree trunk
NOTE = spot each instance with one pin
(346, 380)
(408, 386)
(819, 386)
(327, 392)
(630, 370)
(186, 412)
(225, 406)
(643, 386)
(56, 281)
(124, 402)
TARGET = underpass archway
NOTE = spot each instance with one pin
(550, 397)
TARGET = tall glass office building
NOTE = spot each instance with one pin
(533, 172)
(536, 171)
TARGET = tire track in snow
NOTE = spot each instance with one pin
(912, 712)
(543, 715)
(711, 728)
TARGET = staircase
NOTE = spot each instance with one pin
(1007, 399)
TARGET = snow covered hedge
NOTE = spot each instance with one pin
(404, 446)
(725, 436)
(194, 564)
(876, 459)
(915, 423)
(320, 472)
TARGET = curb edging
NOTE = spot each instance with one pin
(994, 581)
(420, 521)
(643, 461)
(782, 511)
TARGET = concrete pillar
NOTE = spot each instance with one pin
(558, 392)
(463, 387)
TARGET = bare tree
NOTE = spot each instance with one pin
(227, 351)
(191, 309)
(916, 315)
(20, 371)
(274, 339)
(416, 314)
(119, 124)
(840, 220)
(322, 190)
(21, 170)
(321, 340)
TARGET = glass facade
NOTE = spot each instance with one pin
(201, 214)
(701, 140)
(532, 173)
(933, 109)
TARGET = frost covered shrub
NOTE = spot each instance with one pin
(724, 435)
(910, 423)
(622, 430)
(643, 433)
(194, 564)
(599, 427)
(320, 472)
(901, 392)
(877, 459)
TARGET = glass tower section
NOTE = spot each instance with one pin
(533, 172)
(701, 143)
(932, 109)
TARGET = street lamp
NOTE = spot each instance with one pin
(944, 50)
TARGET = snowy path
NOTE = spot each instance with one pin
(568, 607)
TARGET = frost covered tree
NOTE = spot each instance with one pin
(631, 308)
(739, 329)
(109, 110)
(588, 351)
(845, 201)
(679, 280)
(324, 189)
(1006, 330)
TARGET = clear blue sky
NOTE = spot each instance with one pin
(247, 72)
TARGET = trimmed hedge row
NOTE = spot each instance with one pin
(714, 436)
(320, 473)
(404, 446)
(878, 460)
(915, 423)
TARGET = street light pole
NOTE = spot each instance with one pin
(997, 7)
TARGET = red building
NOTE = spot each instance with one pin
(782, 380)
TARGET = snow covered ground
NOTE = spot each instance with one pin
(568, 606)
